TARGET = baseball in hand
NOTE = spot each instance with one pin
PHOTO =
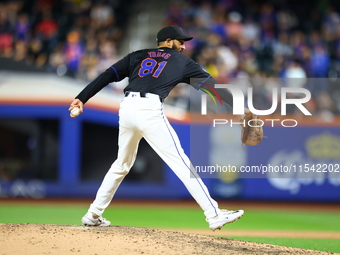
(75, 111)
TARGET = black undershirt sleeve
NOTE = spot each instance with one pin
(225, 95)
(208, 84)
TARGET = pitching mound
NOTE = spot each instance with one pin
(70, 239)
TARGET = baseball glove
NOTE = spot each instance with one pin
(252, 132)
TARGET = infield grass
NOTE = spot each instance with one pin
(303, 243)
(187, 218)
(170, 218)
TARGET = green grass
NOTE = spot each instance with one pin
(170, 218)
(41, 214)
(186, 218)
(194, 218)
(304, 243)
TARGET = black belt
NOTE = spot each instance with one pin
(142, 94)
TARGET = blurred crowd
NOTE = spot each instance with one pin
(267, 43)
(257, 44)
(78, 38)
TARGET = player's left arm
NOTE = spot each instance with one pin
(198, 78)
(207, 85)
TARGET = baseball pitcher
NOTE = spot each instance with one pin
(153, 73)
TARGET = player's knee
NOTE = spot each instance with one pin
(121, 172)
(119, 169)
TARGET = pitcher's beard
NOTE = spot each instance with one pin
(174, 47)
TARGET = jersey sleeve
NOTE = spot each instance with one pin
(122, 68)
(116, 72)
(194, 70)
(200, 79)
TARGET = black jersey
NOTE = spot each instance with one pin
(155, 71)
(158, 70)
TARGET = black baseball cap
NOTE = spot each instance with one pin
(172, 32)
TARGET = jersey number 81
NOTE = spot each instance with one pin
(148, 65)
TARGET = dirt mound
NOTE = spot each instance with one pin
(70, 239)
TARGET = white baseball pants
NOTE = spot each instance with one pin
(144, 117)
